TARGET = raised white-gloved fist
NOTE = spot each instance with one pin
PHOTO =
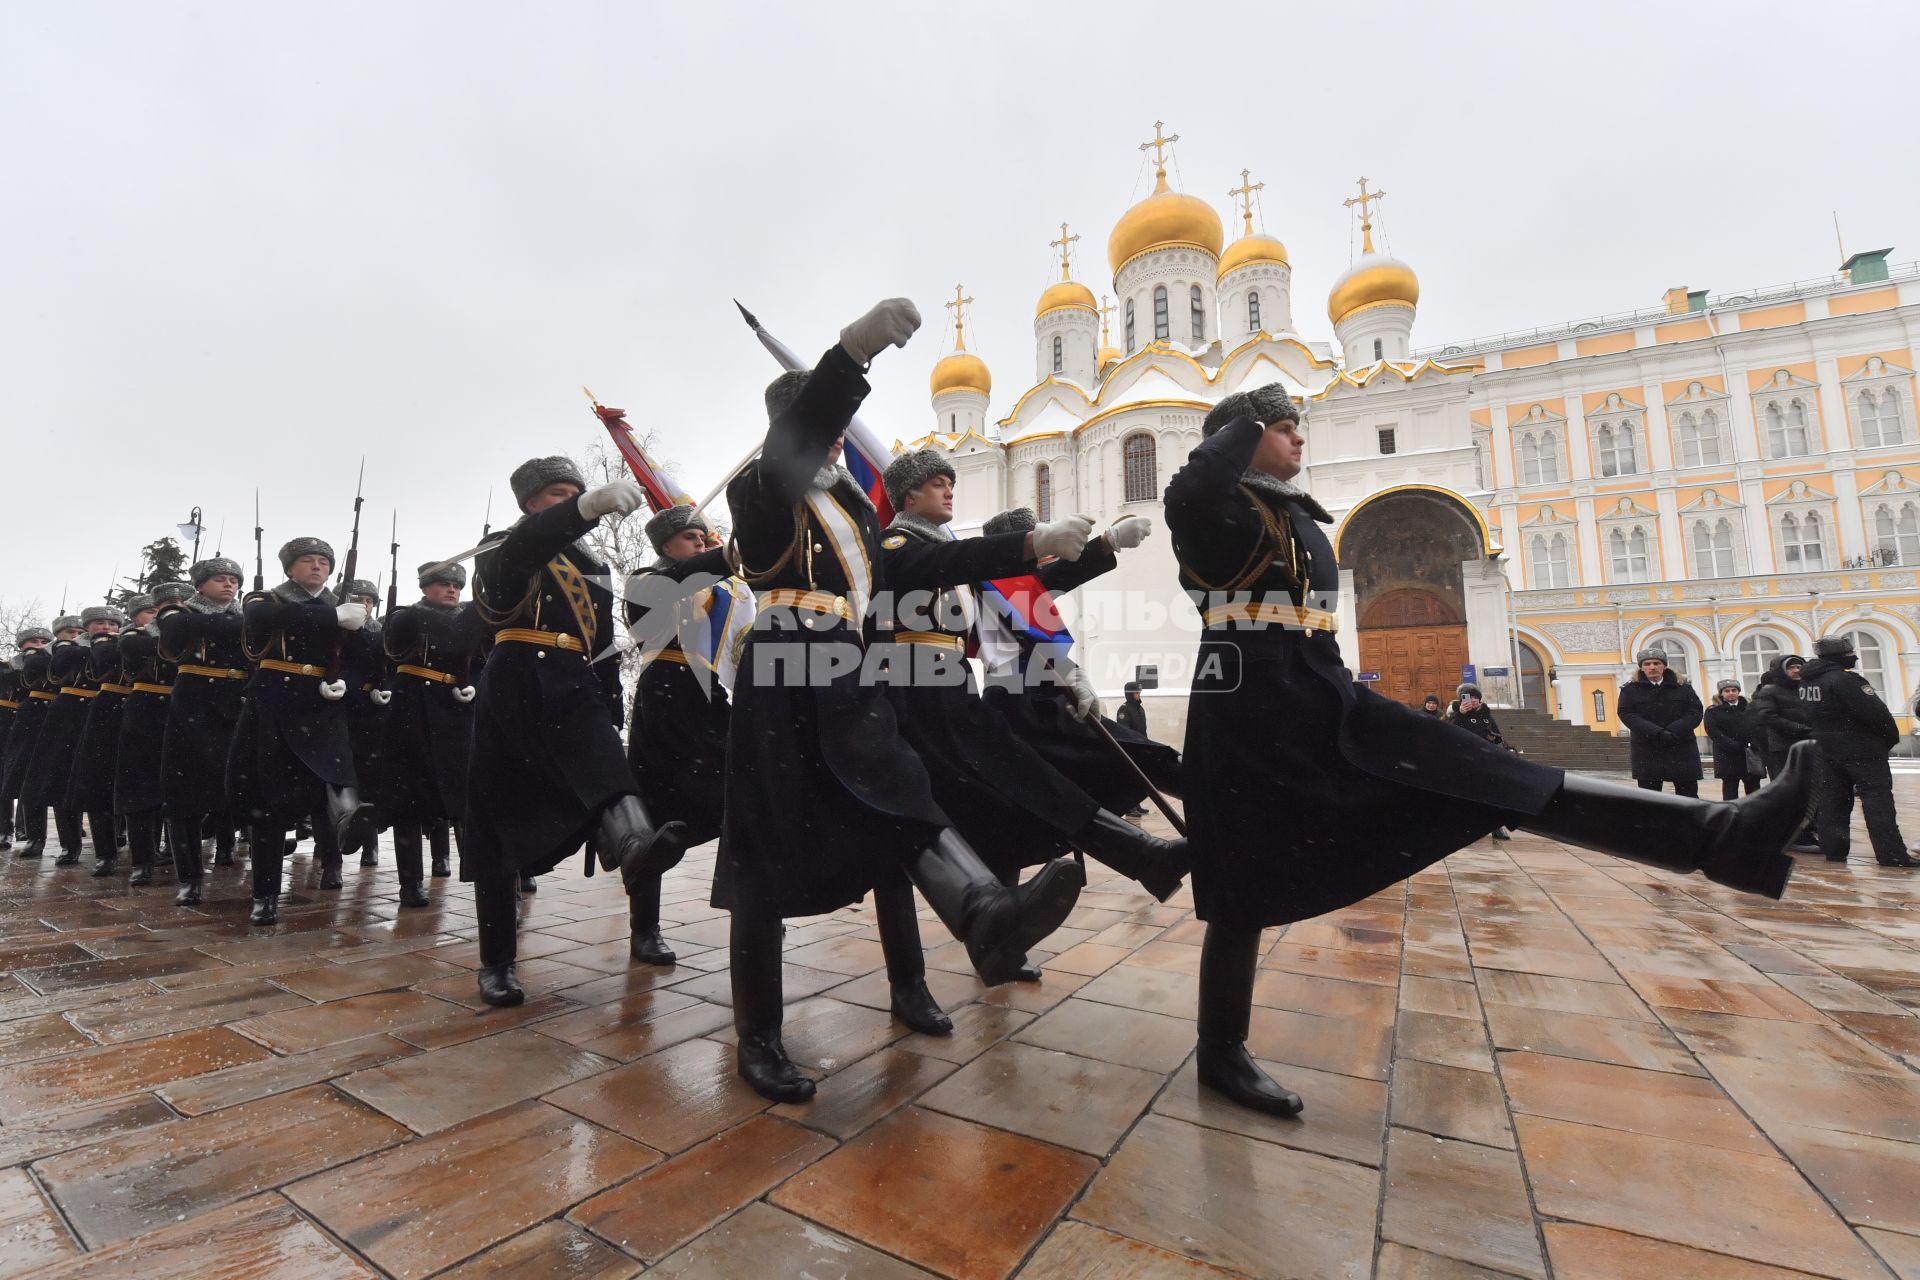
(1081, 697)
(463, 693)
(1128, 532)
(1065, 537)
(333, 690)
(380, 697)
(352, 616)
(620, 498)
(889, 324)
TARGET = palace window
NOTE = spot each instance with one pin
(1872, 666)
(1253, 310)
(1539, 458)
(1878, 417)
(1129, 326)
(1679, 657)
(1627, 555)
(1801, 546)
(1059, 354)
(1140, 455)
(1161, 328)
(1757, 650)
(1199, 316)
(1897, 533)
(1787, 435)
(1713, 549)
(1699, 439)
(1043, 492)
(1614, 445)
(1547, 561)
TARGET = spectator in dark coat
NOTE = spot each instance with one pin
(1855, 732)
(1662, 711)
(1779, 717)
(1132, 713)
(1731, 728)
(1469, 711)
(1432, 706)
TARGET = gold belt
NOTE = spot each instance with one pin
(938, 639)
(549, 639)
(81, 693)
(821, 602)
(425, 673)
(141, 686)
(40, 695)
(1286, 615)
(116, 688)
(212, 673)
(291, 668)
(8, 704)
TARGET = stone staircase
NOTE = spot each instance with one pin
(1555, 742)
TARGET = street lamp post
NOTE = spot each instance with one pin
(191, 531)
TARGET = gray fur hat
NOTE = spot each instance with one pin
(1466, 689)
(1651, 655)
(1018, 520)
(136, 603)
(25, 634)
(911, 470)
(67, 622)
(454, 575)
(1267, 405)
(671, 521)
(359, 587)
(1831, 647)
(100, 613)
(305, 547)
(171, 591)
(214, 567)
(535, 474)
(784, 390)
(1728, 683)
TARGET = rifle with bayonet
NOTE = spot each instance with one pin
(351, 568)
(259, 553)
(393, 583)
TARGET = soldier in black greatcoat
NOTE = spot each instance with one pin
(547, 771)
(1855, 732)
(9, 705)
(52, 765)
(292, 755)
(90, 784)
(138, 760)
(824, 800)
(1307, 792)
(202, 638)
(363, 665)
(434, 648)
(29, 688)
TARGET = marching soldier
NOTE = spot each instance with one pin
(138, 782)
(363, 666)
(547, 771)
(52, 766)
(824, 801)
(90, 784)
(203, 639)
(1306, 791)
(292, 756)
(9, 705)
(434, 646)
(32, 692)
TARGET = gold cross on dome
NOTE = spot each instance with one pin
(1159, 147)
(1106, 309)
(959, 307)
(1065, 245)
(1365, 200)
(1245, 193)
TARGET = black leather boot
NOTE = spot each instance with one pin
(223, 840)
(439, 836)
(185, 837)
(997, 924)
(912, 1003)
(1740, 843)
(33, 831)
(628, 839)
(529, 885)
(326, 849)
(1229, 961)
(495, 905)
(143, 838)
(406, 857)
(754, 967)
(352, 819)
(644, 942)
(266, 876)
(106, 846)
(1159, 865)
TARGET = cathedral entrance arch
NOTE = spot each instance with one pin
(1406, 549)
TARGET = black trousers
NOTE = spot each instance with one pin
(1681, 786)
(496, 900)
(1730, 787)
(1872, 781)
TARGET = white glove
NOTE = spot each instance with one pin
(1128, 532)
(621, 498)
(888, 324)
(1081, 697)
(352, 616)
(463, 693)
(381, 697)
(333, 690)
(1065, 537)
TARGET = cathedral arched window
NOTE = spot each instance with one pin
(1043, 492)
(1379, 349)
(1130, 343)
(1801, 544)
(1141, 457)
(1059, 354)
(1713, 549)
(1162, 326)
(1253, 310)
(1896, 534)
(1199, 315)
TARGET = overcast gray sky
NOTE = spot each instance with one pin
(246, 243)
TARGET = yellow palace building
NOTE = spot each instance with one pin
(1724, 477)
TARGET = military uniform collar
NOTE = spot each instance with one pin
(1282, 491)
(919, 526)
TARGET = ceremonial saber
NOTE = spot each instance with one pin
(1159, 800)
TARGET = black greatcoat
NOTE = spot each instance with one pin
(1010, 804)
(290, 741)
(363, 665)
(824, 798)
(9, 705)
(1039, 714)
(137, 768)
(204, 710)
(34, 698)
(1732, 730)
(429, 731)
(1306, 791)
(52, 765)
(1662, 718)
(546, 756)
(90, 788)
(677, 739)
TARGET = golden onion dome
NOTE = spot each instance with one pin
(1374, 280)
(1165, 219)
(1106, 356)
(1065, 293)
(961, 371)
(1250, 248)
